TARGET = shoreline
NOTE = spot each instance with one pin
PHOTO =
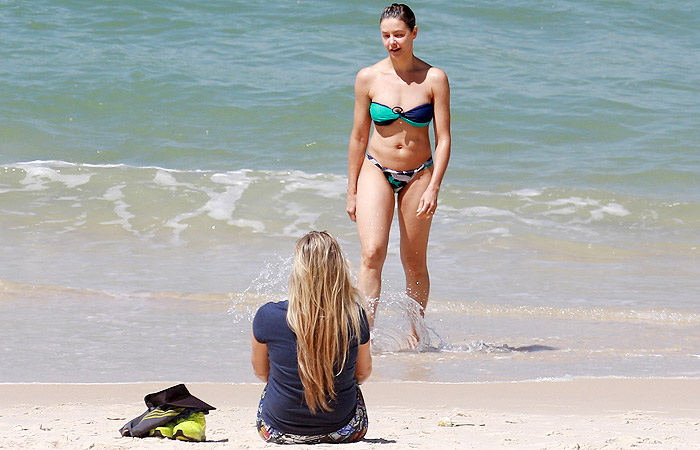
(591, 413)
(673, 394)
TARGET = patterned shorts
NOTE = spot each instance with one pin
(352, 432)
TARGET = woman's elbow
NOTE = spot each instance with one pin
(262, 376)
(261, 373)
(261, 369)
(362, 374)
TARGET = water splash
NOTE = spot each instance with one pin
(400, 326)
(269, 285)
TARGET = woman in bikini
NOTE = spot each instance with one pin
(397, 98)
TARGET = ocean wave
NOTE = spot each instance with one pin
(157, 205)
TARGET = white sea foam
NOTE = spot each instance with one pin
(328, 186)
(302, 221)
(575, 201)
(561, 211)
(164, 178)
(37, 178)
(526, 193)
(232, 178)
(613, 209)
(121, 208)
(484, 211)
(221, 205)
(256, 225)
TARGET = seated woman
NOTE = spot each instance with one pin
(312, 351)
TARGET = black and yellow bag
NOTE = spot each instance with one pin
(169, 406)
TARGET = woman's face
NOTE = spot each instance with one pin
(396, 36)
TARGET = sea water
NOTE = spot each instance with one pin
(158, 161)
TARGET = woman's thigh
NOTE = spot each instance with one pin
(415, 230)
(374, 208)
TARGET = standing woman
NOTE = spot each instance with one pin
(397, 97)
(313, 351)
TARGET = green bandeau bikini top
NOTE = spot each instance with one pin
(420, 116)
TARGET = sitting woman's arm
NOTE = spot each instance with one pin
(260, 360)
(363, 367)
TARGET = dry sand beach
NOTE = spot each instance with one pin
(608, 413)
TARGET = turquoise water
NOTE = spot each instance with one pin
(157, 162)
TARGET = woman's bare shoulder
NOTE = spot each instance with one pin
(436, 74)
(367, 77)
(371, 72)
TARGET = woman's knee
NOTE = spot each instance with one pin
(373, 256)
(414, 264)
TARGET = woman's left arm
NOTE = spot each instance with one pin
(363, 366)
(260, 360)
(443, 140)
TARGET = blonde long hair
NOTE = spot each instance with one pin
(324, 313)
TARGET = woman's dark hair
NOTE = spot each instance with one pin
(401, 12)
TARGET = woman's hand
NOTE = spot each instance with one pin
(427, 204)
(351, 206)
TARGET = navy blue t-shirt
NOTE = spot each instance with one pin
(284, 407)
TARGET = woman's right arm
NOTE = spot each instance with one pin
(359, 137)
(260, 360)
(363, 366)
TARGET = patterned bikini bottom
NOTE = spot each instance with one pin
(398, 179)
